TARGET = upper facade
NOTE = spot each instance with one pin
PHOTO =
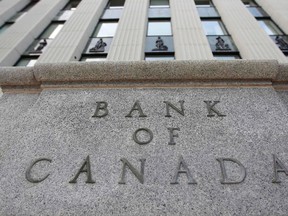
(53, 31)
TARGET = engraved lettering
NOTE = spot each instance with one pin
(85, 168)
(138, 175)
(168, 105)
(149, 132)
(101, 109)
(278, 167)
(136, 107)
(185, 170)
(212, 110)
(172, 135)
(225, 179)
(28, 171)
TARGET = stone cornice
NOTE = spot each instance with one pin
(142, 71)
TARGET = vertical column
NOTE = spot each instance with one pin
(16, 39)
(278, 11)
(129, 41)
(73, 37)
(190, 42)
(9, 7)
(251, 40)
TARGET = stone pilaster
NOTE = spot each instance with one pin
(71, 41)
(251, 40)
(278, 10)
(190, 42)
(129, 41)
(15, 40)
(8, 8)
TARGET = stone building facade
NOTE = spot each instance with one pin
(142, 107)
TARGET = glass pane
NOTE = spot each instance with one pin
(116, 3)
(93, 59)
(207, 12)
(4, 27)
(72, 5)
(159, 3)
(213, 28)
(202, 3)
(159, 58)
(64, 15)
(224, 57)
(26, 62)
(159, 28)
(105, 30)
(52, 31)
(257, 11)
(249, 3)
(269, 27)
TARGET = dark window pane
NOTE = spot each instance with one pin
(159, 44)
(26, 62)
(116, 3)
(203, 3)
(221, 43)
(159, 3)
(96, 46)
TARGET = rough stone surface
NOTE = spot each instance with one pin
(58, 125)
(161, 70)
(17, 76)
(141, 71)
(282, 75)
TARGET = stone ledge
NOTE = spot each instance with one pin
(142, 71)
(282, 75)
(17, 76)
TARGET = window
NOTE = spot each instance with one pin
(116, 4)
(250, 3)
(226, 57)
(99, 43)
(29, 58)
(267, 24)
(159, 41)
(269, 27)
(93, 59)
(159, 3)
(67, 11)
(156, 28)
(203, 3)
(220, 41)
(159, 57)
(52, 31)
(213, 27)
(26, 62)
(206, 9)
(105, 29)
